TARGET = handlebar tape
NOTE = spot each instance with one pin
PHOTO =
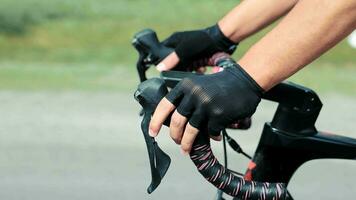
(207, 164)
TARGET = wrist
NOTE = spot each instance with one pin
(261, 77)
(229, 65)
(231, 32)
(238, 69)
(220, 39)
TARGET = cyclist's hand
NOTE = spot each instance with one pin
(210, 101)
(190, 46)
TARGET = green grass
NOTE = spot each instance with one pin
(106, 77)
(328, 78)
(85, 44)
(59, 77)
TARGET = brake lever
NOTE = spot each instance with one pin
(159, 160)
(148, 94)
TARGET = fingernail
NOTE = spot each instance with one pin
(161, 67)
(183, 152)
(151, 133)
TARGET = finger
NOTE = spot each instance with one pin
(168, 63)
(176, 94)
(164, 108)
(176, 127)
(197, 119)
(179, 119)
(189, 136)
(185, 107)
(216, 138)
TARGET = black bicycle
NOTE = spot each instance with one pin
(287, 142)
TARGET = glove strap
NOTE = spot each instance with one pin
(224, 43)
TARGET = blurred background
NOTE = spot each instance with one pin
(69, 127)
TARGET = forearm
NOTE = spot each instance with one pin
(251, 16)
(310, 29)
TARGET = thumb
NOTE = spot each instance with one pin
(168, 63)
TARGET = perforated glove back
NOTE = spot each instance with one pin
(214, 101)
(197, 44)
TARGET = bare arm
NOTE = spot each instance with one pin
(244, 20)
(251, 16)
(310, 29)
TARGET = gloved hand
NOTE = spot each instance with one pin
(194, 45)
(211, 101)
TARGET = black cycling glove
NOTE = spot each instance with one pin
(193, 45)
(214, 101)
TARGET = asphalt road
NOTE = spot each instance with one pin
(84, 146)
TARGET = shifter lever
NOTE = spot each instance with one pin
(148, 94)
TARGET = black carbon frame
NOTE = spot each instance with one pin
(291, 139)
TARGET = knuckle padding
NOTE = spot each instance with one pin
(207, 164)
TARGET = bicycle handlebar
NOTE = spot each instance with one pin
(201, 153)
(204, 159)
(207, 164)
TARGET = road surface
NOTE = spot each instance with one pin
(88, 146)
